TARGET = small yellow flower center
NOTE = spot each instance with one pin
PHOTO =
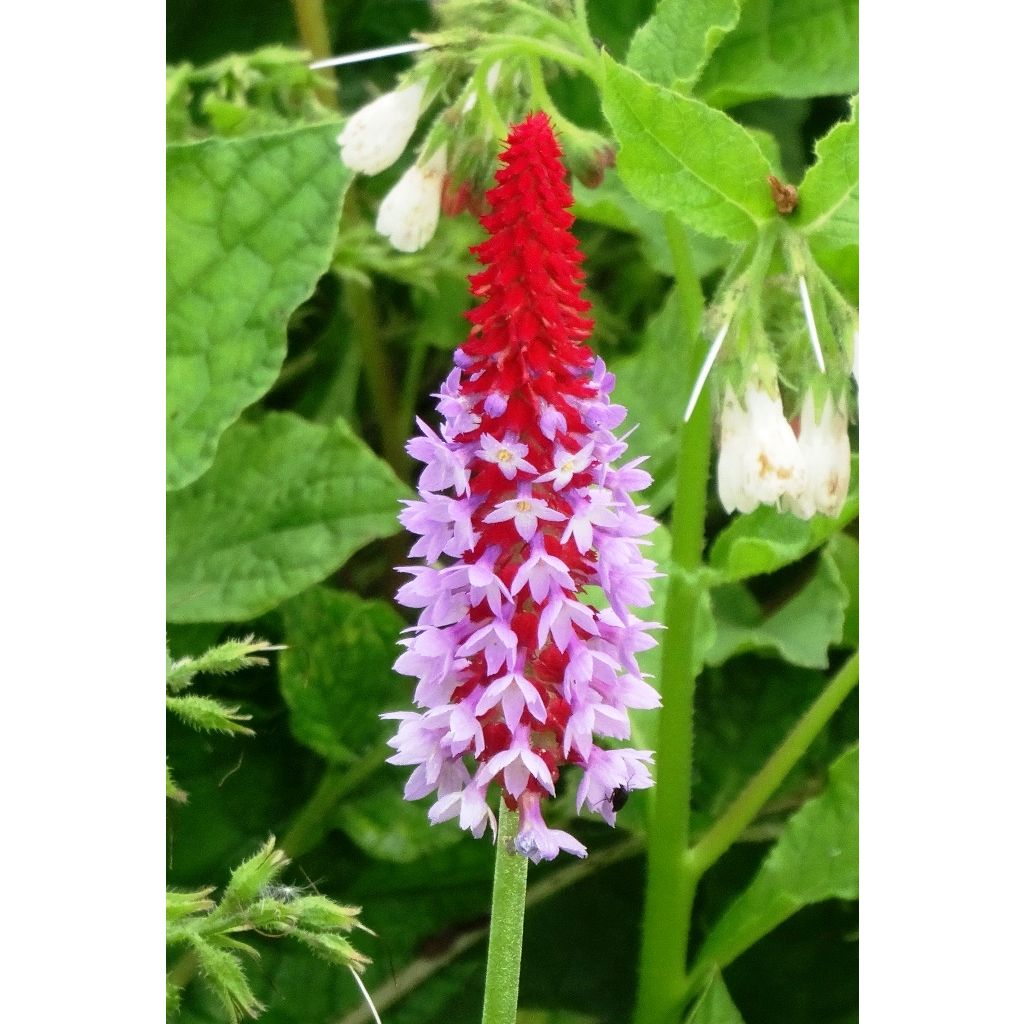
(504, 455)
(523, 505)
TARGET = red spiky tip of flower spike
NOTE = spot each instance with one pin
(517, 670)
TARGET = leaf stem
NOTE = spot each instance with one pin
(508, 907)
(742, 811)
(671, 882)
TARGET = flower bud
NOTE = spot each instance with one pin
(408, 216)
(375, 136)
(825, 446)
(760, 459)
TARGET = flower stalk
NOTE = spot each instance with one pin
(671, 880)
(508, 906)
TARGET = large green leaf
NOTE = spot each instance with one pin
(714, 1005)
(251, 225)
(800, 632)
(675, 44)
(829, 207)
(284, 505)
(814, 859)
(336, 673)
(766, 540)
(681, 156)
(790, 48)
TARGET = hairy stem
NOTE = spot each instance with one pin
(742, 811)
(315, 34)
(410, 977)
(671, 881)
(363, 314)
(508, 906)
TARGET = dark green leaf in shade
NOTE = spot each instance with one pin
(814, 859)
(672, 48)
(680, 156)
(788, 48)
(766, 540)
(336, 673)
(285, 504)
(800, 632)
(385, 825)
(250, 228)
(714, 1005)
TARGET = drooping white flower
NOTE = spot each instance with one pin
(825, 446)
(759, 459)
(375, 136)
(408, 216)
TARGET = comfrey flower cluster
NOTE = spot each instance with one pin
(524, 506)
(762, 460)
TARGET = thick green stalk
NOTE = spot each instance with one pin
(315, 33)
(508, 906)
(671, 881)
(742, 811)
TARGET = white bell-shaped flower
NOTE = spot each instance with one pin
(408, 216)
(825, 446)
(759, 460)
(375, 136)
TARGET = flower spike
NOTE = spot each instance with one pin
(517, 671)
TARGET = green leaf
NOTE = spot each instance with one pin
(208, 715)
(388, 827)
(714, 1005)
(829, 207)
(612, 205)
(766, 540)
(800, 632)
(286, 503)
(681, 156)
(674, 45)
(814, 859)
(649, 383)
(789, 48)
(251, 224)
(846, 552)
(336, 675)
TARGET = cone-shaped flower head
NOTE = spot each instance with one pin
(523, 501)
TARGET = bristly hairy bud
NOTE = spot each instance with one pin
(522, 500)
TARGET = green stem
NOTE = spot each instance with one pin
(508, 906)
(315, 34)
(671, 881)
(360, 306)
(313, 821)
(742, 811)
(514, 46)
